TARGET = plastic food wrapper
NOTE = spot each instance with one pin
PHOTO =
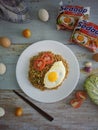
(86, 34)
(69, 16)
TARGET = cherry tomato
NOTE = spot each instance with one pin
(18, 111)
(26, 33)
(81, 94)
(48, 58)
(76, 103)
(39, 64)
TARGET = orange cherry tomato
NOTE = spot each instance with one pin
(81, 94)
(18, 111)
(39, 64)
(26, 33)
(48, 58)
(76, 103)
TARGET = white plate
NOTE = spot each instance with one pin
(53, 95)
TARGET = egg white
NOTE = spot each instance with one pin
(60, 69)
(84, 41)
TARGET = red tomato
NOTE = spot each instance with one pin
(48, 58)
(39, 64)
(76, 103)
(81, 94)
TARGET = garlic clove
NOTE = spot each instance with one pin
(88, 64)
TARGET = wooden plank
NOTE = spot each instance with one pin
(65, 117)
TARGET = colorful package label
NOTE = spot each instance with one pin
(69, 16)
(88, 28)
(86, 34)
(74, 10)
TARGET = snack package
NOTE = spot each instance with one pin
(86, 34)
(69, 15)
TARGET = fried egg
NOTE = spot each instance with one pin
(55, 76)
(67, 20)
(81, 38)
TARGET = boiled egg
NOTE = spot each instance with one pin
(81, 38)
(67, 20)
(55, 76)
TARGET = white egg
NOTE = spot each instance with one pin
(2, 68)
(55, 76)
(2, 112)
(67, 20)
(43, 15)
(80, 38)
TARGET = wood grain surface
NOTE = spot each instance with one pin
(65, 117)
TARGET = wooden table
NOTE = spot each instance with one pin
(65, 117)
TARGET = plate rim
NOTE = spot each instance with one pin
(61, 44)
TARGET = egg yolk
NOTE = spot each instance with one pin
(80, 38)
(67, 20)
(52, 76)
